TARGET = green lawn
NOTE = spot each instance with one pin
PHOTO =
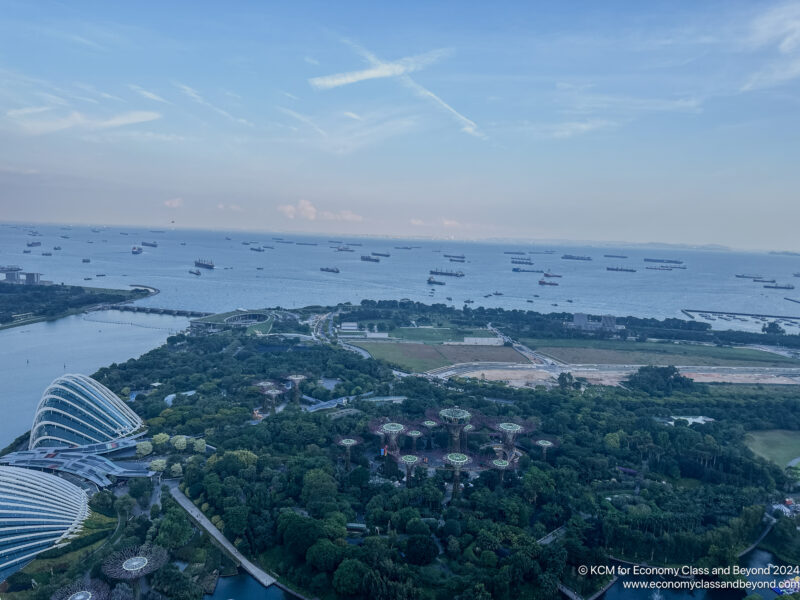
(615, 352)
(437, 335)
(776, 445)
(424, 357)
(262, 328)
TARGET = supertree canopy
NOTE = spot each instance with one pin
(391, 431)
(347, 443)
(414, 434)
(93, 589)
(455, 419)
(457, 461)
(410, 461)
(134, 562)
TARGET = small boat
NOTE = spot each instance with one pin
(329, 269)
(87, 278)
(34, 244)
(384, 254)
(543, 282)
(434, 281)
(86, 260)
(497, 293)
(56, 247)
(26, 251)
(549, 274)
(256, 249)
(136, 250)
(183, 243)
(367, 258)
(259, 268)
(194, 271)
(100, 275)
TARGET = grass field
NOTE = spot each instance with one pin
(776, 445)
(614, 352)
(424, 357)
(262, 328)
(437, 335)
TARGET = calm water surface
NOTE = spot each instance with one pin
(244, 587)
(32, 356)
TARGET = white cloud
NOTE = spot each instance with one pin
(31, 110)
(401, 70)
(195, 95)
(778, 28)
(230, 207)
(148, 94)
(173, 203)
(79, 120)
(310, 60)
(305, 210)
(352, 115)
(570, 129)
(292, 96)
(378, 70)
(303, 119)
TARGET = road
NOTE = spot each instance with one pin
(199, 518)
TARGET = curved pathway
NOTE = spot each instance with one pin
(199, 518)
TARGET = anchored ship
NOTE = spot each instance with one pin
(136, 250)
(432, 281)
(621, 269)
(150, 244)
(204, 263)
(329, 269)
(367, 258)
(575, 257)
(446, 273)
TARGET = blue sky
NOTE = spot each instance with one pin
(634, 121)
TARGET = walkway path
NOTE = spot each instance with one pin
(199, 518)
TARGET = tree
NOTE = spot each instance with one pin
(158, 465)
(160, 439)
(143, 449)
(324, 556)
(772, 328)
(179, 442)
(317, 486)
(199, 445)
(176, 470)
(565, 380)
(349, 576)
(421, 549)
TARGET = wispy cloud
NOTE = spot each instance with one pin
(305, 210)
(777, 29)
(399, 69)
(310, 60)
(352, 115)
(569, 129)
(379, 70)
(79, 120)
(303, 119)
(147, 94)
(230, 207)
(195, 96)
(173, 203)
(31, 110)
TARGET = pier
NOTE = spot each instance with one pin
(737, 314)
(175, 312)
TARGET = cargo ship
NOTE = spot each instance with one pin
(204, 263)
(329, 269)
(621, 269)
(460, 256)
(344, 249)
(384, 254)
(458, 260)
(660, 268)
(150, 244)
(511, 252)
(47, 254)
(542, 252)
(256, 249)
(403, 248)
(779, 286)
(305, 243)
(543, 282)
(549, 274)
(433, 281)
(744, 276)
(446, 273)
(668, 261)
(521, 261)
(367, 258)
(136, 250)
(615, 256)
(762, 280)
(522, 270)
(575, 257)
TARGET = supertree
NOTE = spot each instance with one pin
(501, 465)
(414, 434)
(391, 431)
(457, 461)
(296, 379)
(134, 562)
(455, 419)
(410, 461)
(430, 425)
(544, 444)
(273, 395)
(509, 431)
(91, 589)
(347, 443)
(468, 428)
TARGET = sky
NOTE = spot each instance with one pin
(616, 121)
